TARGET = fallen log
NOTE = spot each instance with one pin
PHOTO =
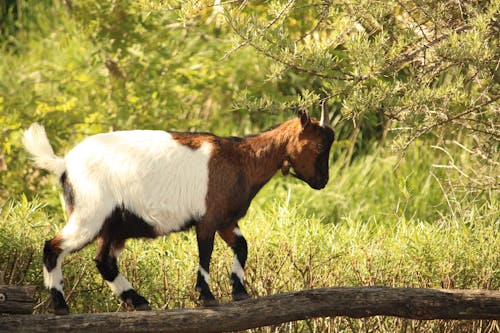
(16, 299)
(353, 302)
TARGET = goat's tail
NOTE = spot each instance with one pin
(37, 144)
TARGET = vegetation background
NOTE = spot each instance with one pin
(412, 86)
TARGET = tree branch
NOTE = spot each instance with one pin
(428, 128)
(353, 302)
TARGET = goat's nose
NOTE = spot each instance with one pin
(318, 184)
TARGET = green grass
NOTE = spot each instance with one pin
(383, 221)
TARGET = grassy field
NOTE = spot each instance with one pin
(382, 221)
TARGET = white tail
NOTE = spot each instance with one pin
(37, 144)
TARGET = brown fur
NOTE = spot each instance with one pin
(192, 140)
(56, 244)
(228, 236)
(239, 168)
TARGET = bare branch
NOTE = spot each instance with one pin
(427, 129)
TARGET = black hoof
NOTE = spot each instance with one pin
(207, 299)
(240, 297)
(61, 311)
(143, 307)
(134, 300)
(209, 303)
(60, 305)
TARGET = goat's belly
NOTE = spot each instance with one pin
(168, 205)
(165, 222)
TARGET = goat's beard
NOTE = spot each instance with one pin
(285, 170)
(285, 167)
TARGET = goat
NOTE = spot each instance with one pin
(144, 183)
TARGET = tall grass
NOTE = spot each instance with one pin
(382, 221)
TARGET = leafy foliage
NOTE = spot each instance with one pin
(413, 68)
(402, 68)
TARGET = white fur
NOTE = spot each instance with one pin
(53, 279)
(36, 143)
(148, 172)
(119, 285)
(205, 274)
(238, 270)
(237, 232)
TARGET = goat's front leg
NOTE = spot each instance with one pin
(205, 248)
(234, 238)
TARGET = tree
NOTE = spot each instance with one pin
(413, 68)
(403, 69)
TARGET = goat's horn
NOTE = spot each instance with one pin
(325, 119)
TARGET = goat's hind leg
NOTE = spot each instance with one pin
(117, 228)
(106, 262)
(52, 274)
(73, 237)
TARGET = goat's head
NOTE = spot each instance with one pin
(308, 151)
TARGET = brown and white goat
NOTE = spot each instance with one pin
(132, 184)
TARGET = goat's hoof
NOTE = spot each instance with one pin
(132, 300)
(143, 307)
(61, 311)
(240, 297)
(209, 303)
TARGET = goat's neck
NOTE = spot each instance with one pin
(265, 154)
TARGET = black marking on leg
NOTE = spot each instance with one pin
(206, 296)
(108, 267)
(241, 252)
(123, 224)
(50, 255)
(239, 292)
(205, 248)
(132, 298)
(60, 306)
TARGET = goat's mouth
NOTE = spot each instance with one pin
(316, 183)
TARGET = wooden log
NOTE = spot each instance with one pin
(275, 309)
(17, 299)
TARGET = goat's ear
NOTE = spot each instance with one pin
(304, 118)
